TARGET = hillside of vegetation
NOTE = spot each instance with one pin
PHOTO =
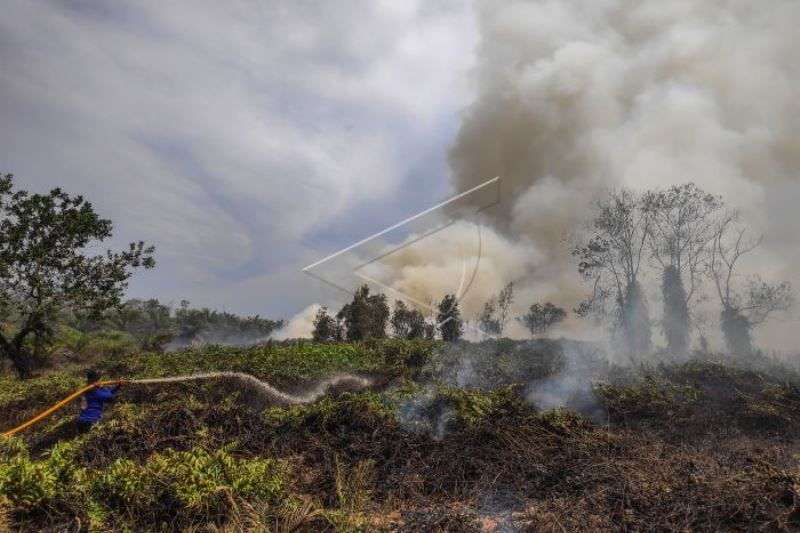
(436, 444)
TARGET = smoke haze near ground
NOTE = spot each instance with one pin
(299, 326)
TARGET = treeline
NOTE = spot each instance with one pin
(52, 266)
(682, 237)
(155, 325)
(368, 316)
(60, 289)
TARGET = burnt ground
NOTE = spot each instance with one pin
(699, 446)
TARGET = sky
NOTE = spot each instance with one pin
(244, 139)
(247, 139)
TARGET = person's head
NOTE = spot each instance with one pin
(92, 376)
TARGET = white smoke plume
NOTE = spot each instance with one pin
(300, 326)
(576, 97)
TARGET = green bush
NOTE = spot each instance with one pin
(196, 479)
(112, 344)
(474, 405)
(191, 486)
(24, 482)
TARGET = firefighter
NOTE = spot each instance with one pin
(93, 401)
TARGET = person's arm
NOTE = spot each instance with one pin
(105, 395)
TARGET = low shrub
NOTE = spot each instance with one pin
(650, 395)
(187, 482)
(193, 486)
(346, 407)
(473, 405)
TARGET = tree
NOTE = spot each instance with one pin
(149, 321)
(451, 325)
(153, 324)
(408, 323)
(191, 323)
(430, 319)
(326, 329)
(504, 301)
(147, 317)
(366, 316)
(745, 305)
(46, 266)
(487, 319)
(540, 318)
(494, 316)
(399, 320)
(683, 221)
(611, 256)
(206, 325)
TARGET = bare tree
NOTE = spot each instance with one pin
(494, 316)
(595, 304)
(612, 257)
(504, 301)
(745, 304)
(682, 226)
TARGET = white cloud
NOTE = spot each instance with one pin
(221, 131)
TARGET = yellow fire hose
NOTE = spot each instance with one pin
(265, 388)
(57, 406)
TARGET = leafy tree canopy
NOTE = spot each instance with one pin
(47, 264)
(541, 318)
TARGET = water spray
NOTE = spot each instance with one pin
(319, 390)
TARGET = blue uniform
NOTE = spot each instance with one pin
(95, 399)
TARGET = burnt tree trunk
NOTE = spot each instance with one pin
(676, 312)
(736, 329)
(636, 321)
